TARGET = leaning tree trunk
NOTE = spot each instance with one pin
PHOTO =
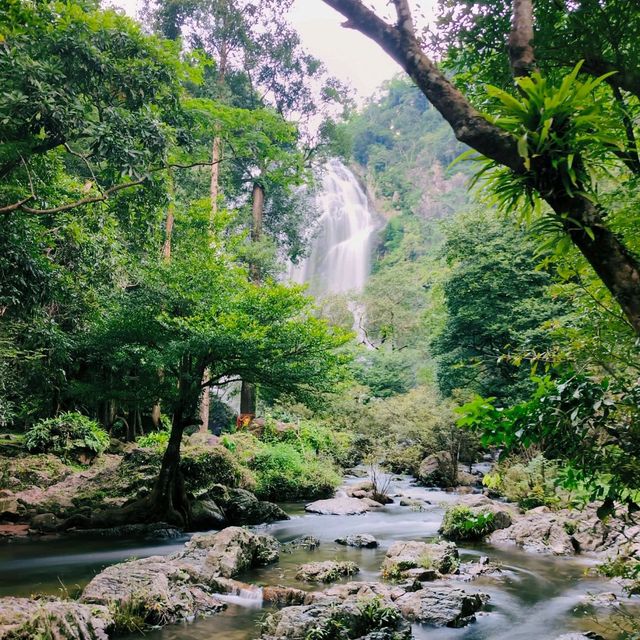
(168, 501)
(616, 266)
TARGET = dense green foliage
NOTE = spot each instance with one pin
(295, 462)
(460, 523)
(131, 251)
(68, 435)
(477, 305)
(498, 306)
(584, 422)
(530, 483)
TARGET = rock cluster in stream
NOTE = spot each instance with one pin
(327, 571)
(161, 590)
(182, 585)
(351, 604)
(562, 532)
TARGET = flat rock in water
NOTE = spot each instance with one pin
(53, 618)
(328, 571)
(308, 543)
(185, 584)
(359, 540)
(403, 556)
(338, 507)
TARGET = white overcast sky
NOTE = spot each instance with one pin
(348, 55)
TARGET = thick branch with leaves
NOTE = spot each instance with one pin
(618, 268)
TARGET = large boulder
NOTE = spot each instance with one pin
(441, 606)
(167, 589)
(503, 512)
(45, 522)
(568, 532)
(206, 514)
(431, 559)
(355, 617)
(241, 507)
(230, 551)
(438, 470)
(474, 517)
(540, 530)
(54, 619)
(157, 589)
(327, 571)
(342, 506)
(9, 506)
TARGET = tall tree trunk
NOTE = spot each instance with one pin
(521, 54)
(248, 400)
(248, 393)
(168, 501)
(156, 410)
(617, 267)
(214, 194)
(171, 211)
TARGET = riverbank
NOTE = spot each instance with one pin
(534, 595)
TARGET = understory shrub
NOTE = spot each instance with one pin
(531, 484)
(626, 568)
(309, 436)
(202, 468)
(154, 440)
(287, 470)
(460, 523)
(284, 473)
(69, 435)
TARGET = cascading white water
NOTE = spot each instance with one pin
(340, 254)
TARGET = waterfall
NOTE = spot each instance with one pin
(340, 254)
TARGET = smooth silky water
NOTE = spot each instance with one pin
(537, 596)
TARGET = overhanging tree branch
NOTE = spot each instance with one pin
(613, 262)
(104, 195)
(83, 201)
(469, 126)
(405, 20)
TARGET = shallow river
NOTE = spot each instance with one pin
(538, 597)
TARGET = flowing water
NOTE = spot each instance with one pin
(537, 596)
(340, 253)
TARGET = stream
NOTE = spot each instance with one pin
(537, 596)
